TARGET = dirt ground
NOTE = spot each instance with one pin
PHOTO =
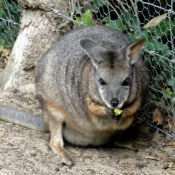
(25, 151)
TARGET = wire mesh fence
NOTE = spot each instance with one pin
(9, 22)
(152, 19)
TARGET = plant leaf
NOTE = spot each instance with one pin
(2, 42)
(168, 92)
(86, 19)
(155, 21)
(96, 5)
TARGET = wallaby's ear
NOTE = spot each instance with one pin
(94, 51)
(133, 50)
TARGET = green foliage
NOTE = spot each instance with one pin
(169, 93)
(96, 4)
(85, 19)
(125, 22)
(9, 22)
(168, 96)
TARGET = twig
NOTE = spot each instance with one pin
(133, 6)
(72, 6)
(153, 126)
(152, 158)
(121, 3)
(112, 7)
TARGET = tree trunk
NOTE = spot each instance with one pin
(39, 28)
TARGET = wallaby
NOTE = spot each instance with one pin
(81, 79)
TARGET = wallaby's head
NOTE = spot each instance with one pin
(114, 73)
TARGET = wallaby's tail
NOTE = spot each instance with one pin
(22, 118)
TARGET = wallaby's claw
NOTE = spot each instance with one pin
(136, 150)
(62, 163)
(116, 118)
(70, 166)
(110, 112)
(66, 160)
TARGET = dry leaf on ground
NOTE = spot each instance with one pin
(4, 52)
(170, 121)
(4, 56)
(157, 117)
(171, 144)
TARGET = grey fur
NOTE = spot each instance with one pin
(22, 118)
(61, 71)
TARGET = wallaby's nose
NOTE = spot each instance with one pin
(114, 102)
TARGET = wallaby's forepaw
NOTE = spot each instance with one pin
(97, 109)
(109, 112)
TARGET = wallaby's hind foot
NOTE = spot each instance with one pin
(65, 158)
(121, 141)
(132, 145)
(55, 121)
(57, 144)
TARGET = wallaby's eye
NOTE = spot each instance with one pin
(126, 82)
(101, 81)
